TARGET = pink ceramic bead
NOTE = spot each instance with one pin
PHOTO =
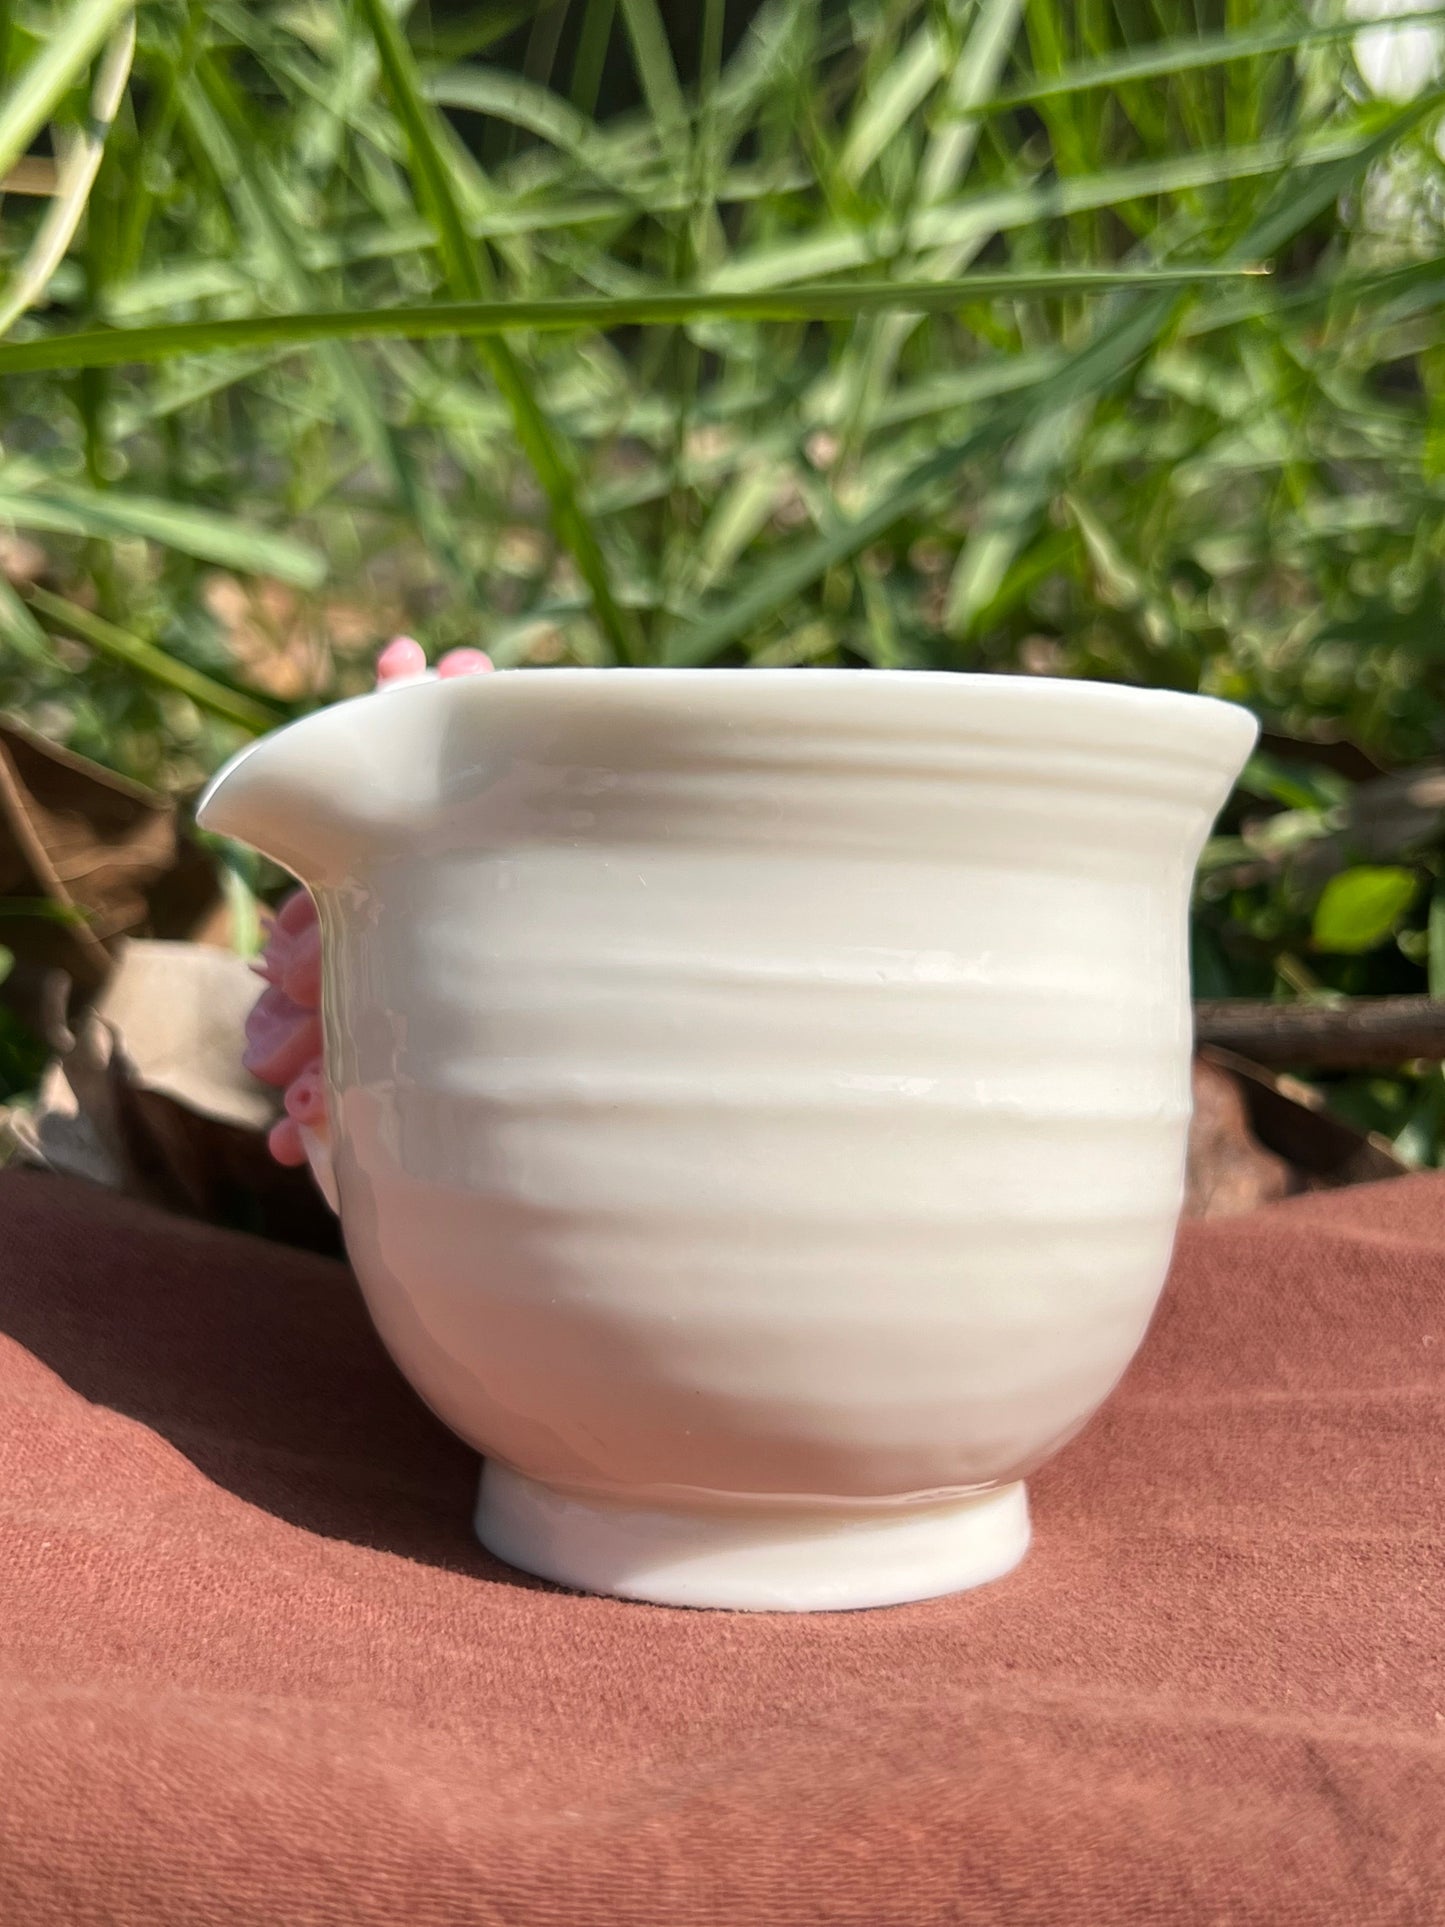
(306, 1095)
(402, 656)
(284, 1143)
(464, 662)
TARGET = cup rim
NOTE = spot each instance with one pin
(1130, 716)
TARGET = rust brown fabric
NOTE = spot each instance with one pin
(253, 1670)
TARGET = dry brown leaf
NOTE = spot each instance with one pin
(1256, 1137)
(85, 841)
(1229, 1171)
(105, 856)
(1293, 1119)
(150, 1098)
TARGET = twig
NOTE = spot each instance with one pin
(1365, 1033)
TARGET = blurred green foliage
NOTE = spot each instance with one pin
(22, 1057)
(1237, 487)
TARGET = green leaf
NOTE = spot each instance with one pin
(975, 74)
(1208, 967)
(1360, 908)
(778, 581)
(509, 97)
(43, 909)
(1186, 54)
(470, 281)
(1379, 626)
(1119, 341)
(52, 73)
(116, 347)
(1416, 1143)
(218, 115)
(1114, 347)
(1037, 460)
(19, 627)
(1321, 176)
(890, 102)
(1028, 478)
(591, 55)
(1436, 952)
(27, 502)
(653, 58)
(1291, 785)
(249, 712)
(977, 216)
(79, 163)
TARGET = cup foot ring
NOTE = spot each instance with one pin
(759, 1560)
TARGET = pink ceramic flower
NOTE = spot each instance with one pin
(283, 1031)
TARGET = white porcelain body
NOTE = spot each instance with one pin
(759, 1098)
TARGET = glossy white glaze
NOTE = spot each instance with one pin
(755, 1095)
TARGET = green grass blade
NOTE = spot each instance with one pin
(741, 511)
(1436, 953)
(44, 83)
(591, 55)
(248, 712)
(1318, 182)
(465, 265)
(653, 58)
(458, 35)
(470, 281)
(994, 210)
(939, 394)
(215, 111)
(1048, 446)
(1187, 54)
(81, 156)
(521, 102)
(19, 628)
(776, 583)
(28, 501)
(1027, 482)
(890, 102)
(114, 347)
(974, 78)
(1116, 347)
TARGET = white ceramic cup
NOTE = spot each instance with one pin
(758, 1098)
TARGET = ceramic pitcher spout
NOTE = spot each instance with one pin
(327, 791)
